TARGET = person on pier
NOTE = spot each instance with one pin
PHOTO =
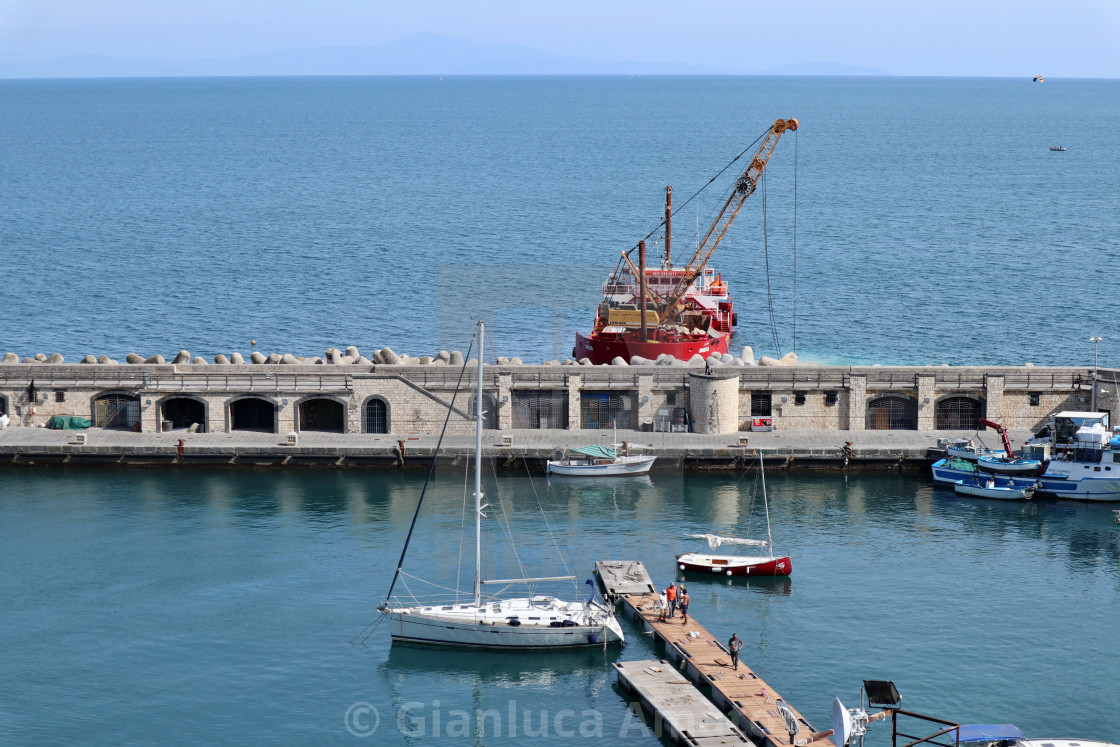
(684, 599)
(734, 646)
(671, 595)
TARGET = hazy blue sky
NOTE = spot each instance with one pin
(1078, 38)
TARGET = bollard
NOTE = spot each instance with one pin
(179, 448)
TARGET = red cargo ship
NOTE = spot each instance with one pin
(679, 311)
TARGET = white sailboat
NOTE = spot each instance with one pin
(533, 622)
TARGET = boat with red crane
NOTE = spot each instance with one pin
(679, 311)
(1008, 463)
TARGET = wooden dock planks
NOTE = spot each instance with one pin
(702, 658)
(678, 709)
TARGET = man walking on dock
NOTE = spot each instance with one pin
(671, 595)
(734, 646)
(684, 605)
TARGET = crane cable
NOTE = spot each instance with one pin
(795, 242)
(706, 185)
(766, 255)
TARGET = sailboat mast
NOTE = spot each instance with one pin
(765, 503)
(478, 473)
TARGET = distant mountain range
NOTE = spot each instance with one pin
(417, 54)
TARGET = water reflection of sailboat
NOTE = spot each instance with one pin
(775, 585)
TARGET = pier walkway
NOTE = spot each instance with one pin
(677, 708)
(809, 449)
(750, 701)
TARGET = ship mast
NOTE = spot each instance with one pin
(668, 263)
(478, 474)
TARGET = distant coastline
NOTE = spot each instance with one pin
(417, 54)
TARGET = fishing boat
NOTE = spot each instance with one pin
(676, 311)
(599, 461)
(1058, 148)
(519, 623)
(966, 448)
(991, 486)
(1085, 467)
(767, 564)
(1009, 465)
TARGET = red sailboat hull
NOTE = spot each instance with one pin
(729, 565)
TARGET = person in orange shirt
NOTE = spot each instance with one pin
(671, 595)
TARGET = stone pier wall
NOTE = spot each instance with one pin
(413, 399)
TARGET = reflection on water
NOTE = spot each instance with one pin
(780, 585)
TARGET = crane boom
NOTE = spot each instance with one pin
(744, 187)
(1002, 434)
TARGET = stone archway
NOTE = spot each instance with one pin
(252, 414)
(321, 414)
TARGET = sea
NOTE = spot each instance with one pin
(906, 221)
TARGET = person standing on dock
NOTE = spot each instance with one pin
(662, 608)
(734, 646)
(671, 595)
(684, 605)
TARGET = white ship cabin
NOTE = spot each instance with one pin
(1069, 426)
(708, 290)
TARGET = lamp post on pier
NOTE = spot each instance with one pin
(1096, 340)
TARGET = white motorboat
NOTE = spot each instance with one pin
(530, 622)
(599, 461)
(990, 486)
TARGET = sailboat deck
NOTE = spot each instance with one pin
(703, 658)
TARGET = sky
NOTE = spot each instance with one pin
(1012, 38)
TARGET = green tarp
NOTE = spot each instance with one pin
(596, 452)
(68, 423)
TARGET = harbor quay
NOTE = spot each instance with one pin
(379, 414)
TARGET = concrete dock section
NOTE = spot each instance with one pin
(675, 706)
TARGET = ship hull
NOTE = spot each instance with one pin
(600, 350)
(733, 565)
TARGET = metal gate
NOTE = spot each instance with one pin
(892, 414)
(117, 411)
(376, 416)
(760, 404)
(959, 414)
(541, 409)
(608, 410)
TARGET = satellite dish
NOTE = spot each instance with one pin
(790, 719)
(841, 723)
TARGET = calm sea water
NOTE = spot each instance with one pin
(933, 224)
(196, 606)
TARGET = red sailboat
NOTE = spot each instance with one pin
(764, 564)
(678, 311)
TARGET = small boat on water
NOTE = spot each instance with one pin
(991, 486)
(1009, 465)
(599, 461)
(966, 448)
(767, 564)
(1058, 148)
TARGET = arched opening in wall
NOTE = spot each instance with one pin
(116, 411)
(3, 405)
(958, 414)
(323, 415)
(489, 411)
(892, 413)
(179, 413)
(375, 416)
(252, 414)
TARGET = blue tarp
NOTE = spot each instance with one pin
(595, 452)
(990, 733)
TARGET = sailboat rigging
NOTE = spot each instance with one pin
(506, 623)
